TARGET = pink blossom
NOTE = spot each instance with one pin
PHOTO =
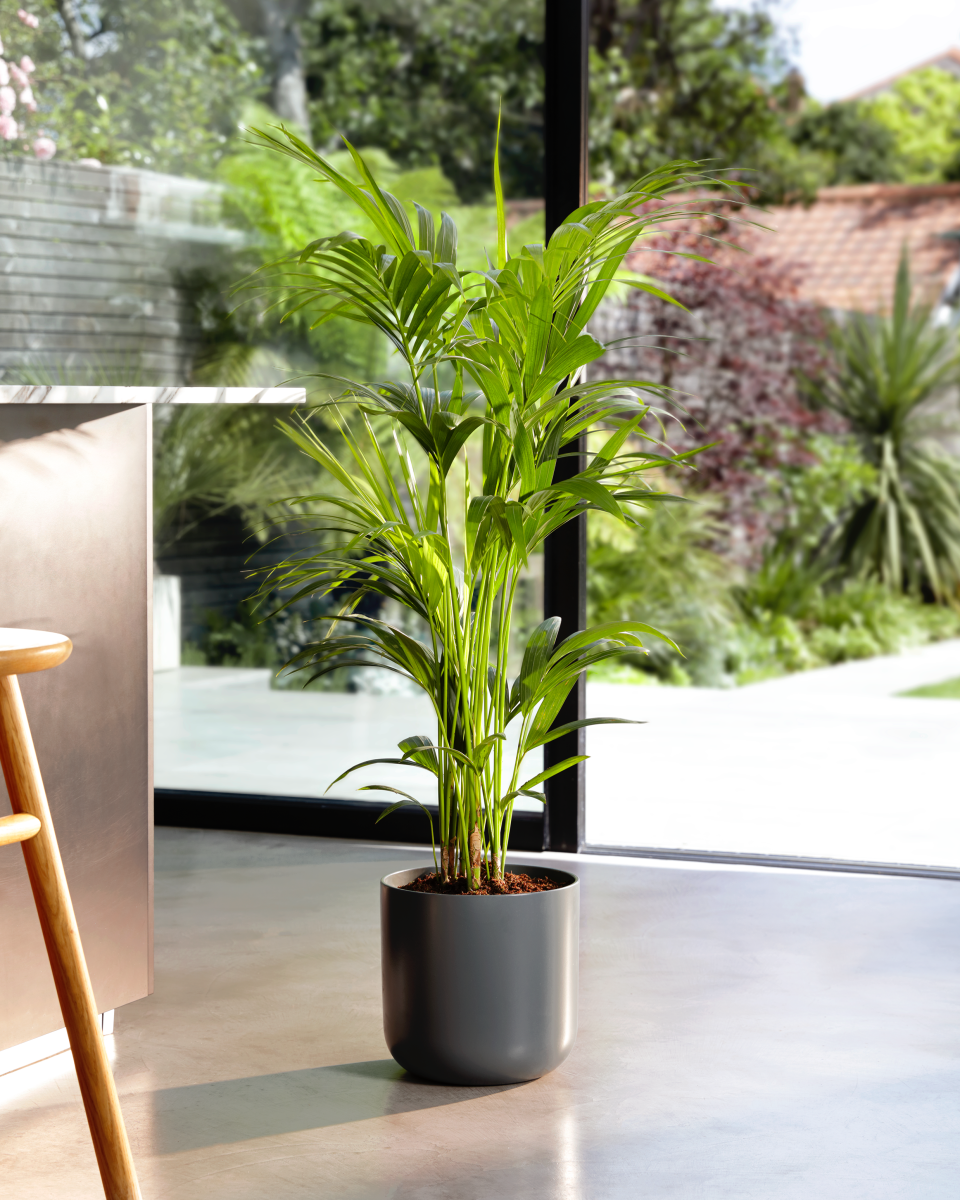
(8, 128)
(8, 100)
(26, 64)
(44, 147)
(27, 100)
(4, 74)
(28, 18)
(19, 78)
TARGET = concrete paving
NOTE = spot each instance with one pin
(224, 729)
(744, 1033)
(828, 764)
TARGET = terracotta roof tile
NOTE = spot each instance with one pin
(846, 246)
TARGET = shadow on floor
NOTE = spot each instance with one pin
(239, 1110)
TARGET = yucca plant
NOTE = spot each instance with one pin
(451, 479)
(906, 530)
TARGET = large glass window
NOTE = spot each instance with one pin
(790, 574)
(138, 204)
(419, 94)
(804, 575)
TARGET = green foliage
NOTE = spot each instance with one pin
(208, 459)
(790, 621)
(811, 500)
(906, 531)
(852, 144)
(688, 79)
(669, 79)
(819, 626)
(922, 113)
(785, 585)
(407, 518)
(793, 613)
(948, 690)
(161, 87)
(283, 208)
(239, 641)
(280, 207)
(906, 134)
(861, 619)
(800, 609)
(277, 201)
(665, 570)
(254, 636)
(425, 82)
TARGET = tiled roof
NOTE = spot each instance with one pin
(847, 244)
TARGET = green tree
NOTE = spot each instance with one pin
(424, 81)
(669, 79)
(855, 146)
(158, 85)
(687, 79)
(922, 113)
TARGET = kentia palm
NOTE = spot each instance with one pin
(511, 344)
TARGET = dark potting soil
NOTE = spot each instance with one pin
(511, 885)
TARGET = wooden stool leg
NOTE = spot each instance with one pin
(59, 925)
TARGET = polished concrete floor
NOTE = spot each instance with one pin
(744, 1034)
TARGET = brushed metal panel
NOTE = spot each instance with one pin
(74, 546)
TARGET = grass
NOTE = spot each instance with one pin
(948, 690)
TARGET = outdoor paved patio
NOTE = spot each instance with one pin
(828, 763)
(744, 1033)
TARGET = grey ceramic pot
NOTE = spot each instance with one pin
(480, 989)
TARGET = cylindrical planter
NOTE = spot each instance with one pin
(480, 989)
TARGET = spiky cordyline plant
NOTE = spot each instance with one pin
(511, 343)
(906, 531)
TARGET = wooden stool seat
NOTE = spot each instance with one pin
(25, 650)
(22, 651)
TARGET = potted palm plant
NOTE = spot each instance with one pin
(449, 485)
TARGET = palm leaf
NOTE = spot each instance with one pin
(388, 522)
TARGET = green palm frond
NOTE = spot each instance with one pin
(208, 459)
(494, 363)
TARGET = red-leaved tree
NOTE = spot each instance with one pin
(732, 357)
